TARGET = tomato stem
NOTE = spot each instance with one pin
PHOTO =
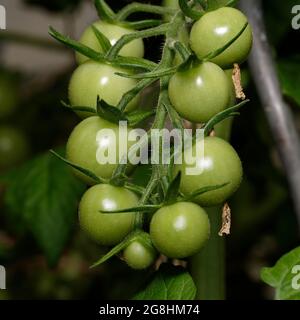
(208, 266)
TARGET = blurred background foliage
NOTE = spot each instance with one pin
(41, 245)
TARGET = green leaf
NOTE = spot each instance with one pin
(138, 116)
(156, 74)
(84, 171)
(45, 195)
(202, 190)
(110, 113)
(217, 52)
(118, 248)
(229, 112)
(77, 46)
(103, 40)
(189, 11)
(289, 75)
(181, 48)
(285, 276)
(169, 283)
(215, 4)
(125, 62)
(133, 63)
(173, 189)
(144, 208)
(80, 109)
(131, 94)
(143, 24)
(104, 11)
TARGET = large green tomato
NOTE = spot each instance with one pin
(139, 255)
(220, 164)
(180, 230)
(14, 147)
(113, 32)
(215, 29)
(92, 79)
(110, 228)
(200, 92)
(89, 145)
(8, 95)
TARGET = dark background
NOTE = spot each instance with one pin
(264, 223)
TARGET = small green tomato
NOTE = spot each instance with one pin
(200, 93)
(92, 142)
(179, 230)
(220, 164)
(140, 255)
(92, 79)
(215, 29)
(107, 229)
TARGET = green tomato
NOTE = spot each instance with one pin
(14, 147)
(215, 29)
(92, 79)
(107, 229)
(87, 148)
(8, 96)
(220, 164)
(180, 230)
(113, 32)
(139, 255)
(200, 93)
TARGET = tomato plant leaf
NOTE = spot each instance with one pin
(289, 75)
(173, 189)
(110, 113)
(189, 11)
(138, 116)
(200, 191)
(285, 276)
(102, 39)
(229, 112)
(144, 208)
(138, 25)
(156, 74)
(45, 195)
(104, 11)
(169, 283)
(84, 171)
(77, 46)
(78, 108)
(118, 248)
(125, 62)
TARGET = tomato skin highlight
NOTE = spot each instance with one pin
(113, 32)
(85, 144)
(179, 230)
(221, 164)
(216, 28)
(200, 92)
(92, 79)
(107, 229)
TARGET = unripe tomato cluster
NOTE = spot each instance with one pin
(179, 229)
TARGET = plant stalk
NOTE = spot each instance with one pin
(208, 266)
